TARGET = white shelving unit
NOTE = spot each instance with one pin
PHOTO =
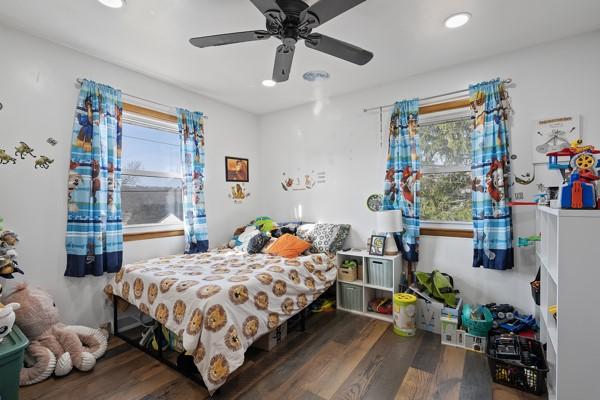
(569, 256)
(369, 291)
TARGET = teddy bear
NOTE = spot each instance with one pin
(54, 347)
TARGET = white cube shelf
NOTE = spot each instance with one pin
(569, 257)
(369, 291)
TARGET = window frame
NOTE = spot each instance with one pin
(439, 112)
(141, 116)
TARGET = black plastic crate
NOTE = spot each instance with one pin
(527, 374)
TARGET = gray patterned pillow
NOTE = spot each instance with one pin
(327, 238)
(304, 231)
(340, 238)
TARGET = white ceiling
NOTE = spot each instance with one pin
(407, 37)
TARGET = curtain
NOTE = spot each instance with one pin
(191, 129)
(402, 175)
(94, 239)
(490, 170)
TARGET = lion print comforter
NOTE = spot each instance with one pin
(220, 302)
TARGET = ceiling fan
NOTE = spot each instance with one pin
(291, 21)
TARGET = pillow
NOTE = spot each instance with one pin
(340, 239)
(288, 246)
(266, 247)
(304, 231)
(257, 242)
(327, 238)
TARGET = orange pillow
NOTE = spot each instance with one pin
(288, 246)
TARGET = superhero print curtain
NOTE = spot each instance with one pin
(94, 241)
(490, 171)
(402, 175)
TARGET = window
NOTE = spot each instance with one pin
(152, 180)
(446, 167)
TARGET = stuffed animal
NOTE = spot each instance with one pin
(8, 254)
(54, 347)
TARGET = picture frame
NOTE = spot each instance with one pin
(236, 169)
(377, 245)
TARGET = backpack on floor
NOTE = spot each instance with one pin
(439, 285)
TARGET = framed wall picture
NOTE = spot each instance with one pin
(377, 246)
(236, 169)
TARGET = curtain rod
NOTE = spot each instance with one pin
(80, 82)
(505, 81)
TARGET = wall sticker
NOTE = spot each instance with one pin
(306, 181)
(239, 193)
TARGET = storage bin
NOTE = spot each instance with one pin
(527, 374)
(405, 314)
(379, 272)
(351, 296)
(347, 274)
(428, 315)
(11, 362)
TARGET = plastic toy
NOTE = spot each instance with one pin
(520, 323)
(477, 319)
(579, 173)
(7, 318)
(507, 347)
(381, 305)
(526, 241)
(554, 311)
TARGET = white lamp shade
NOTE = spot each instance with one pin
(389, 221)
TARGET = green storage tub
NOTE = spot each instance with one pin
(12, 349)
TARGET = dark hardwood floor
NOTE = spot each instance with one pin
(340, 356)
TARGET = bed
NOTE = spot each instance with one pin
(221, 301)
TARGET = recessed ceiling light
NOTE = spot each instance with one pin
(112, 3)
(269, 83)
(313, 76)
(457, 20)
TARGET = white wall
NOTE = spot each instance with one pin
(335, 135)
(37, 88)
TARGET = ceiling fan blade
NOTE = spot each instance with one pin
(229, 38)
(283, 62)
(339, 49)
(266, 5)
(325, 10)
(270, 9)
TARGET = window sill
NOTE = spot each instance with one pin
(447, 229)
(447, 232)
(131, 237)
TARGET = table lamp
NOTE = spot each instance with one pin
(389, 222)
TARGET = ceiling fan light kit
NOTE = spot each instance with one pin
(291, 21)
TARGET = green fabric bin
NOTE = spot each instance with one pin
(12, 349)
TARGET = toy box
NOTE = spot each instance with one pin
(428, 315)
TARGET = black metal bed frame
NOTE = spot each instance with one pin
(158, 355)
